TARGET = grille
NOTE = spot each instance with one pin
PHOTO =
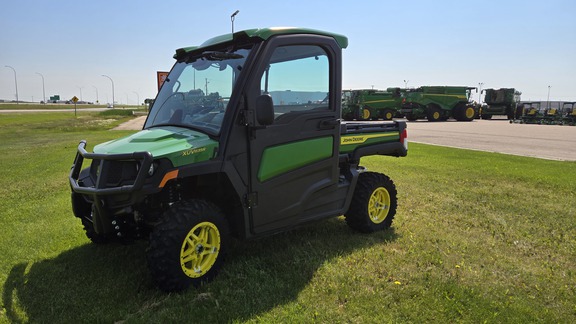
(117, 173)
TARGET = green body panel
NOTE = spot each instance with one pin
(445, 97)
(182, 146)
(280, 159)
(376, 100)
(349, 142)
(262, 34)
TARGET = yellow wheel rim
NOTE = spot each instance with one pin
(469, 112)
(388, 115)
(200, 249)
(379, 205)
(436, 115)
(365, 113)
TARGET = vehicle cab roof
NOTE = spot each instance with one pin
(262, 34)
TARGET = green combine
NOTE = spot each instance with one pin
(505, 101)
(438, 103)
(371, 104)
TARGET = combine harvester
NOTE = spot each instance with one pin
(438, 103)
(371, 104)
(505, 101)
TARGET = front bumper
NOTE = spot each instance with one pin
(111, 185)
(101, 185)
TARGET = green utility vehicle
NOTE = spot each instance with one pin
(569, 113)
(257, 150)
(438, 103)
(505, 101)
(552, 115)
(531, 113)
(371, 104)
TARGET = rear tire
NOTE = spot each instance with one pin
(374, 203)
(464, 113)
(188, 246)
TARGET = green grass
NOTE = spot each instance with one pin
(478, 237)
(51, 106)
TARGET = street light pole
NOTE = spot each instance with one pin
(15, 81)
(137, 95)
(548, 99)
(43, 91)
(232, 17)
(112, 88)
(406, 84)
(81, 99)
(96, 94)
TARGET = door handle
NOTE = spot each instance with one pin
(329, 123)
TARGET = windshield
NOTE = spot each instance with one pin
(196, 92)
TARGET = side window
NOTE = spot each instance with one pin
(297, 78)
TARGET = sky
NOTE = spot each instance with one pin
(526, 44)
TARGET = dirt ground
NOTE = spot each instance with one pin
(497, 135)
(133, 124)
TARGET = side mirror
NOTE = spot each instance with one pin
(264, 110)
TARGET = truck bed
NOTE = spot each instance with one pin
(360, 139)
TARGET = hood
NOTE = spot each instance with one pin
(180, 145)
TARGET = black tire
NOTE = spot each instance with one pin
(464, 113)
(388, 114)
(91, 233)
(365, 113)
(195, 230)
(84, 210)
(411, 117)
(434, 113)
(374, 203)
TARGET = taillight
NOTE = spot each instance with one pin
(404, 138)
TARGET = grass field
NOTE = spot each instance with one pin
(478, 237)
(51, 106)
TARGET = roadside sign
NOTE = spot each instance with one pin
(75, 99)
(161, 76)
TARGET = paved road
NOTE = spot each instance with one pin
(542, 141)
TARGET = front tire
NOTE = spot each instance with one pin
(388, 114)
(374, 203)
(434, 113)
(188, 246)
